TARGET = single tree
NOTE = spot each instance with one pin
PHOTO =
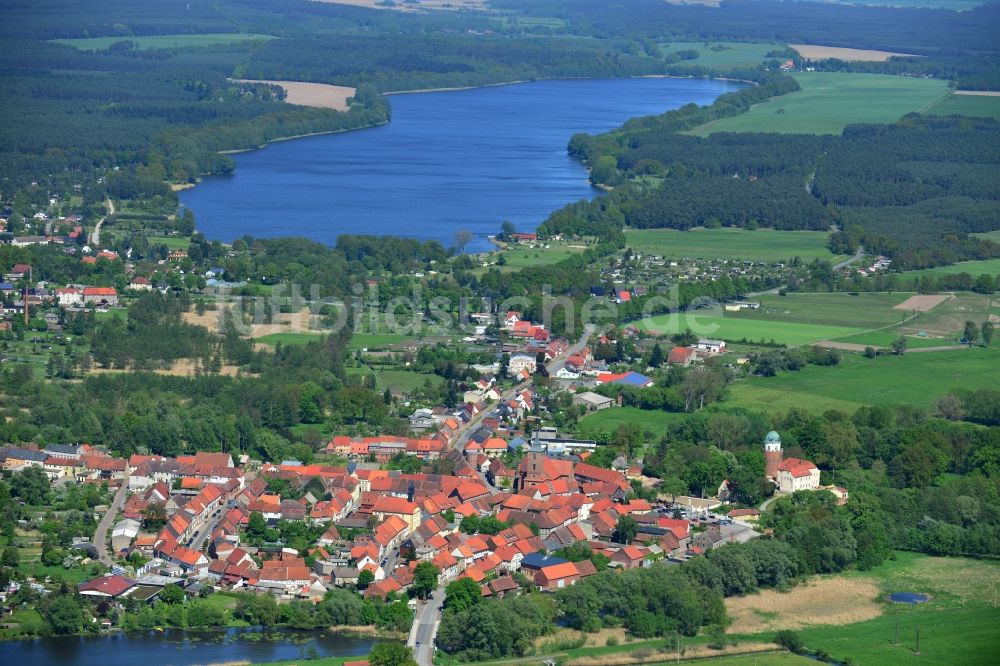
(970, 333)
(462, 238)
(986, 333)
(899, 345)
(625, 530)
(391, 654)
(425, 579)
(365, 578)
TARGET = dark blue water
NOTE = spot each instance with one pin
(180, 648)
(907, 598)
(448, 161)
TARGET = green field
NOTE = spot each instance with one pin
(830, 101)
(957, 626)
(973, 268)
(885, 339)
(288, 338)
(866, 310)
(652, 422)
(398, 381)
(912, 379)
(733, 54)
(161, 41)
(976, 106)
(735, 327)
(519, 256)
(762, 245)
(989, 235)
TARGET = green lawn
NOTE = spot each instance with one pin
(973, 268)
(162, 41)
(913, 379)
(762, 245)
(172, 242)
(402, 381)
(976, 106)
(653, 422)
(731, 55)
(525, 257)
(885, 338)
(288, 338)
(866, 310)
(732, 326)
(829, 101)
(756, 659)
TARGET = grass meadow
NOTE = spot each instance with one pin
(146, 43)
(912, 379)
(653, 423)
(722, 54)
(829, 101)
(288, 338)
(731, 326)
(973, 268)
(977, 106)
(761, 245)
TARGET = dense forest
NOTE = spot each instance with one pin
(913, 190)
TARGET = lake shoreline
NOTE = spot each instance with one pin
(312, 176)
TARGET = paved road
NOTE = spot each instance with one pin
(428, 617)
(101, 535)
(425, 627)
(95, 235)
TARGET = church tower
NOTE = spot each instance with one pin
(772, 455)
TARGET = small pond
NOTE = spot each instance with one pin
(908, 598)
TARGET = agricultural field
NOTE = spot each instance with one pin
(765, 245)
(732, 326)
(912, 379)
(722, 54)
(948, 319)
(865, 310)
(976, 106)
(151, 42)
(884, 339)
(829, 101)
(973, 268)
(377, 340)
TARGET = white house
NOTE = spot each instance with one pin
(70, 296)
(797, 474)
(521, 362)
(713, 346)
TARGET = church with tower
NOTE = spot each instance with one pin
(788, 474)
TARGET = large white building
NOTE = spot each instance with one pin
(797, 474)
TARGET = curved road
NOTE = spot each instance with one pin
(95, 235)
(101, 535)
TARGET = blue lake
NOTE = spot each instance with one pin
(448, 161)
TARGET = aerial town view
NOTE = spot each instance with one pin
(482, 332)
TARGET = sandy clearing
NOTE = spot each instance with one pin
(835, 600)
(320, 95)
(815, 52)
(922, 302)
(295, 322)
(979, 93)
(184, 367)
